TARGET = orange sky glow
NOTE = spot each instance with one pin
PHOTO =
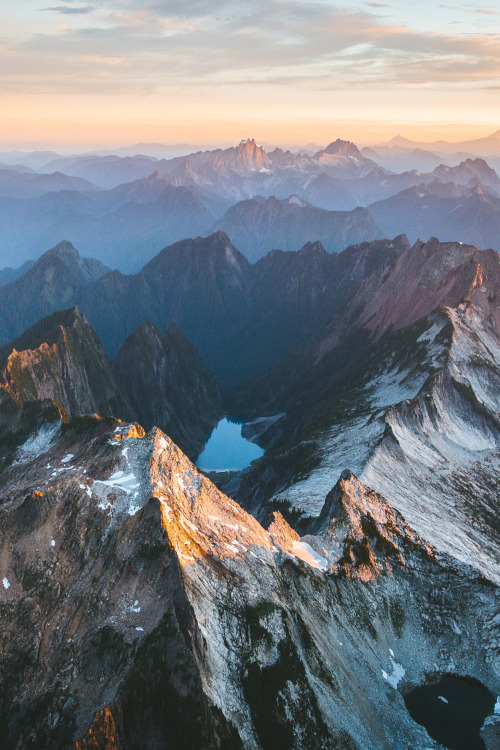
(79, 75)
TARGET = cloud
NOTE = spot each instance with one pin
(71, 9)
(168, 44)
(487, 11)
(380, 5)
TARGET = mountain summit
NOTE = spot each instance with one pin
(346, 148)
(252, 155)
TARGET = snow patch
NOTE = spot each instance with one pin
(431, 333)
(53, 543)
(398, 672)
(38, 443)
(125, 482)
(305, 552)
(442, 698)
(6, 583)
(67, 458)
(294, 200)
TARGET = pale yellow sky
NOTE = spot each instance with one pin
(82, 74)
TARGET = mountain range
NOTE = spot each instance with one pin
(261, 200)
(486, 146)
(227, 307)
(258, 226)
(341, 592)
(303, 608)
(441, 209)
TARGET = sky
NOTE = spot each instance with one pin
(89, 73)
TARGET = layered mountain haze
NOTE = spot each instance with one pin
(446, 210)
(489, 145)
(106, 171)
(20, 184)
(131, 207)
(256, 227)
(124, 226)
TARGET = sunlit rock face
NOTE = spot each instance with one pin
(62, 358)
(143, 607)
(373, 535)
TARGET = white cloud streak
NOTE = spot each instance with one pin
(160, 43)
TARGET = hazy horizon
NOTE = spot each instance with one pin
(93, 74)
(342, 133)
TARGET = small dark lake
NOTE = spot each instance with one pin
(227, 449)
(452, 711)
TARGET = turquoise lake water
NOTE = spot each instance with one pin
(227, 449)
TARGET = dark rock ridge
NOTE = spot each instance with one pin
(167, 384)
(160, 379)
(230, 311)
(227, 308)
(142, 607)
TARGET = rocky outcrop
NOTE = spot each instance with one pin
(61, 358)
(373, 536)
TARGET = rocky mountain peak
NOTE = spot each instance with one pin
(216, 250)
(199, 520)
(168, 385)
(60, 358)
(345, 148)
(372, 535)
(311, 249)
(250, 154)
(63, 250)
(64, 255)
